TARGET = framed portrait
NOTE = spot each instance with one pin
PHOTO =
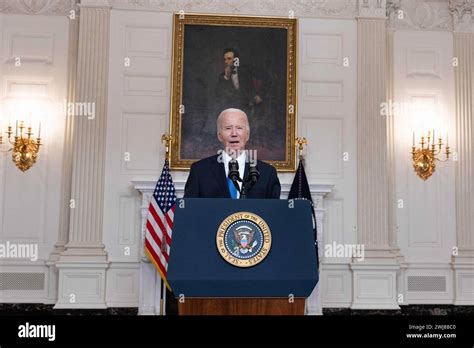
(222, 62)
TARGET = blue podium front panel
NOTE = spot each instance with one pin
(196, 268)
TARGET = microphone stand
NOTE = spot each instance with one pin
(249, 181)
(243, 191)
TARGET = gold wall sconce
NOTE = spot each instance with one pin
(424, 158)
(25, 147)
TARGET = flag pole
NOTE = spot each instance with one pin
(302, 191)
(165, 138)
(301, 143)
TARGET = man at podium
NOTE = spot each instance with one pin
(232, 172)
(209, 177)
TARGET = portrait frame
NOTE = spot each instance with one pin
(281, 109)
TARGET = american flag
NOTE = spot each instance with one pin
(159, 224)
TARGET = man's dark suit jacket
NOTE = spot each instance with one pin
(207, 180)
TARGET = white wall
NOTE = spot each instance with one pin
(137, 117)
(139, 114)
(424, 75)
(327, 115)
(29, 201)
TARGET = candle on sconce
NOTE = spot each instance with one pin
(39, 131)
(433, 136)
(447, 141)
(16, 128)
(413, 139)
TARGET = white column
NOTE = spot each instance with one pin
(67, 161)
(83, 264)
(391, 161)
(463, 260)
(374, 279)
(392, 199)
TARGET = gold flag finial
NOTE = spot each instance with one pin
(301, 142)
(167, 139)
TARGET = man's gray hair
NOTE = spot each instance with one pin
(221, 115)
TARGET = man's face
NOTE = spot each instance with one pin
(233, 131)
(229, 58)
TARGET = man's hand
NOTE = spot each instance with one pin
(258, 100)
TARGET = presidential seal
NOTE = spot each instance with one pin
(243, 239)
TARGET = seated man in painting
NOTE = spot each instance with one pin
(235, 87)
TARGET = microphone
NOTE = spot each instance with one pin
(234, 170)
(234, 173)
(254, 174)
(250, 180)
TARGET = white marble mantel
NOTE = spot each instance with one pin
(150, 282)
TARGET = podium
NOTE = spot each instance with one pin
(207, 283)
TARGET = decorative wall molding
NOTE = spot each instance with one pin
(392, 7)
(402, 14)
(372, 8)
(321, 8)
(463, 19)
(38, 7)
(419, 15)
(97, 3)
